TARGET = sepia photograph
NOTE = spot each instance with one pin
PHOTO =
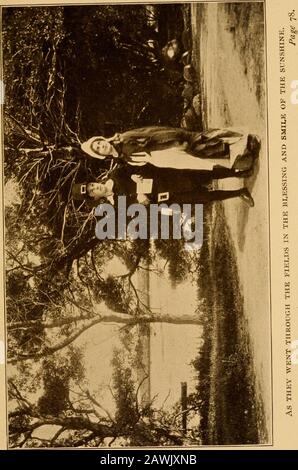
(137, 241)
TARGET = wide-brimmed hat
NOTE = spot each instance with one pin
(79, 191)
(87, 147)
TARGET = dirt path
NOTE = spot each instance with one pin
(230, 65)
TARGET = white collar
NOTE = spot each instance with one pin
(110, 185)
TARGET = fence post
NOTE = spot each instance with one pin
(184, 406)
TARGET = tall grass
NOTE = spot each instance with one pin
(230, 410)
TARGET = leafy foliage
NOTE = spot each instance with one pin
(72, 72)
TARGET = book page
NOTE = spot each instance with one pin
(127, 325)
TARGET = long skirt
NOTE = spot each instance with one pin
(218, 147)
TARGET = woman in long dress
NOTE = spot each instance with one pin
(167, 147)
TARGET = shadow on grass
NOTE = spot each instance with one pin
(243, 217)
(230, 410)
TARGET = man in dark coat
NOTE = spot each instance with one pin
(154, 185)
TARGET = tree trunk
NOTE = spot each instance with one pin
(182, 319)
(119, 318)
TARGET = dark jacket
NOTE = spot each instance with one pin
(174, 186)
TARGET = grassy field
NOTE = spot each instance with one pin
(231, 412)
(246, 27)
(228, 56)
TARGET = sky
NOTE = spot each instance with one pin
(172, 347)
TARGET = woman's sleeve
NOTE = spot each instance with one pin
(123, 171)
(136, 137)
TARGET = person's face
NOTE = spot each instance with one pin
(102, 147)
(97, 190)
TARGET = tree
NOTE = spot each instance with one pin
(75, 417)
(47, 232)
(84, 422)
(56, 287)
(42, 153)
